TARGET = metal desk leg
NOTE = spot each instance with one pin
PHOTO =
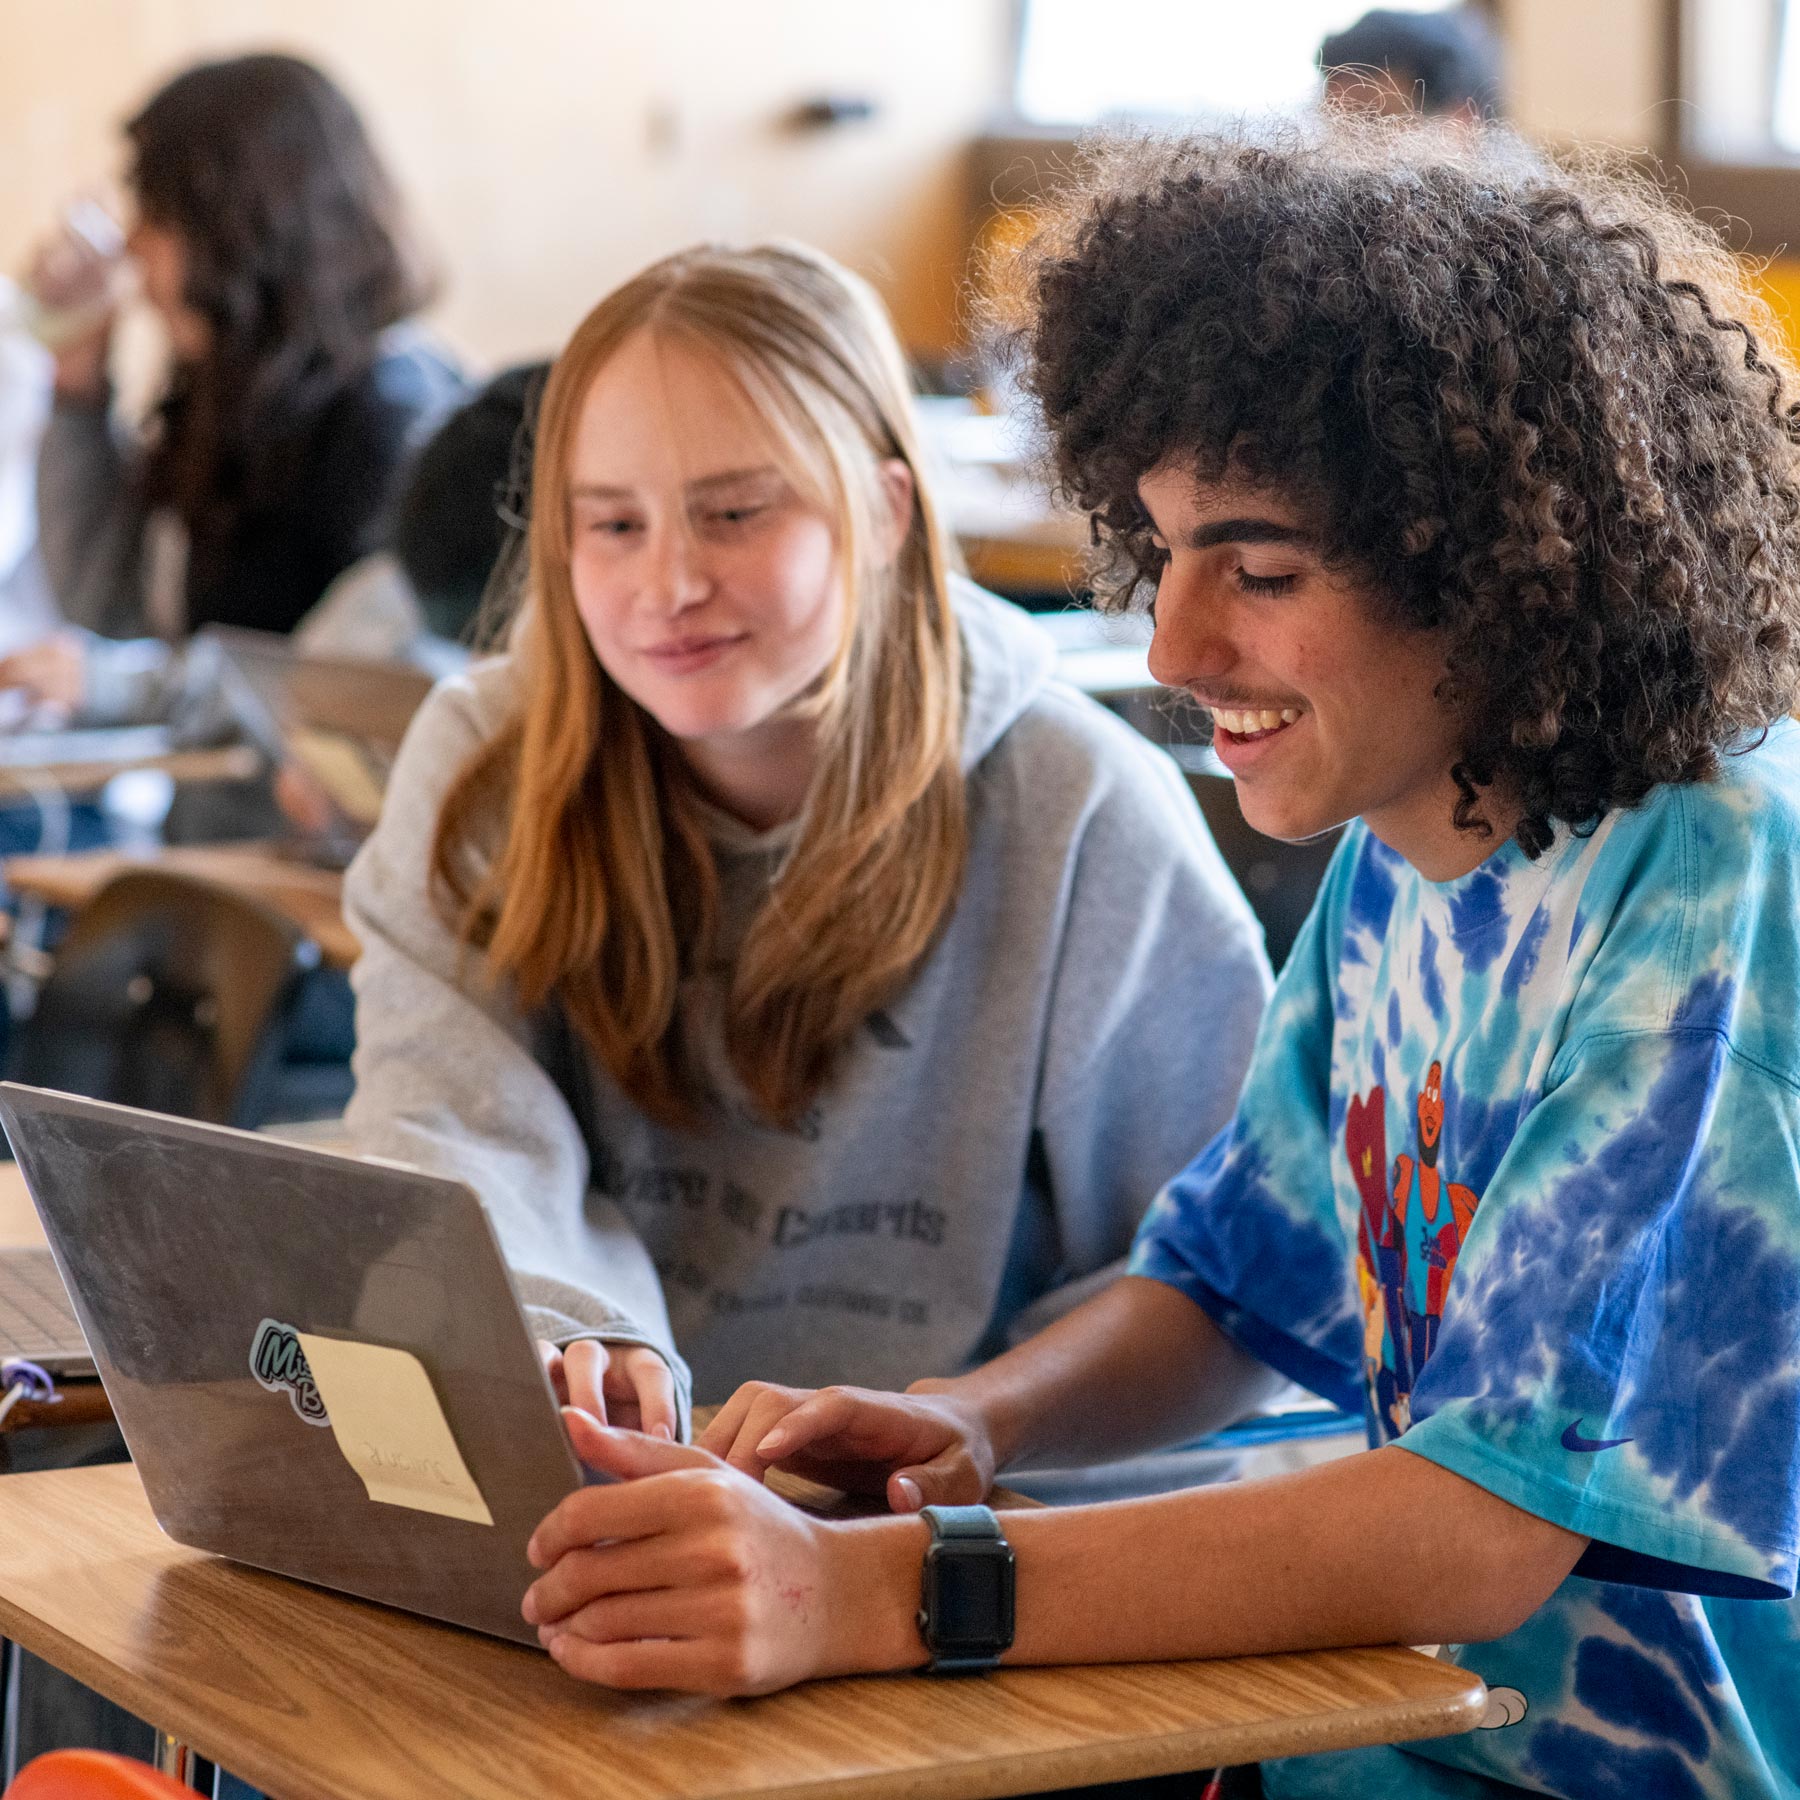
(9, 1715)
(176, 1760)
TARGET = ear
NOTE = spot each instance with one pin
(898, 489)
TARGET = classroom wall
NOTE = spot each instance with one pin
(1591, 69)
(551, 147)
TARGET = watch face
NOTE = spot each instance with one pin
(970, 1601)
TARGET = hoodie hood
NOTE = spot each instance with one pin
(1008, 662)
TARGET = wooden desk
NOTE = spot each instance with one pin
(230, 762)
(19, 1227)
(312, 898)
(315, 1697)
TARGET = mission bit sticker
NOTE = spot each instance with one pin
(279, 1364)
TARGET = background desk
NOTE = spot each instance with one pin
(315, 1697)
(87, 775)
(311, 897)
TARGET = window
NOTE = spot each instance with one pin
(1082, 61)
(1741, 79)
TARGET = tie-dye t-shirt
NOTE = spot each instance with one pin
(1516, 1170)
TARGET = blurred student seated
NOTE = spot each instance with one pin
(459, 519)
(456, 519)
(267, 241)
(1439, 64)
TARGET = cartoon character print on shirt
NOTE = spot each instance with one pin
(1409, 1236)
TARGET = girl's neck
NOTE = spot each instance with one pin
(759, 777)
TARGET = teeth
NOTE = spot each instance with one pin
(1241, 724)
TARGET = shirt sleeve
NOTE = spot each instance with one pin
(1622, 1356)
(446, 1077)
(1249, 1231)
(90, 522)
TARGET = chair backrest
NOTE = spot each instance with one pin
(169, 993)
(92, 1775)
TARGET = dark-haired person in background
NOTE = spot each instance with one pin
(267, 238)
(1466, 495)
(1442, 64)
(461, 508)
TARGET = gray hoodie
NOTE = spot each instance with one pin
(984, 1152)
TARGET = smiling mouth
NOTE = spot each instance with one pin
(684, 648)
(1252, 723)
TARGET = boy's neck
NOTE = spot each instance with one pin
(1423, 830)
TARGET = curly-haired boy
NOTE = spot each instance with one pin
(1465, 491)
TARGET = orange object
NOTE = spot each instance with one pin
(1779, 279)
(92, 1775)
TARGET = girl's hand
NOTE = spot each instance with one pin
(683, 1574)
(915, 1449)
(619, 1384)
(52, 672)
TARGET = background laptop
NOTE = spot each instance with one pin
(37, 1323)
(183, 1244)
(340, 718)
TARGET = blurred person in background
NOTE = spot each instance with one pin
(267, 239)
(458, 518)
(1441, 64)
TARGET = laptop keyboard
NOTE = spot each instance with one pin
(36, 1320)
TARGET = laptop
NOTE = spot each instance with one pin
(339, 718)
(37, 1323)
(318, 1363)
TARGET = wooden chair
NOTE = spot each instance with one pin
(92, 1775)
(168, 993)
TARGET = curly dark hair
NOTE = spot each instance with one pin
(1533, 406)
(296, 259)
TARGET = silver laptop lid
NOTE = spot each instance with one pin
(189, 1250)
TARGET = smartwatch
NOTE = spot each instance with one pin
(966, 1595)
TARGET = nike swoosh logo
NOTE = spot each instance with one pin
(1573, 1440)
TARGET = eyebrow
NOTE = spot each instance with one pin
(1245, 531)
(706, 484)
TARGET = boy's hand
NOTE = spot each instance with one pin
(917, 1449)
(627, 1385)
(683, 1574)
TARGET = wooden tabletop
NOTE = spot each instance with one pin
(312, 1696)
(18, 1217)
(311, 897)
(229, 762)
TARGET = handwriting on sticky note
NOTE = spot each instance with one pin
(390, 1425)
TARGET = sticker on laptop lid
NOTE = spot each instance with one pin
(390, 1425)
(279, 1364)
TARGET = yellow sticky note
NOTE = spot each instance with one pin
(391, 1427)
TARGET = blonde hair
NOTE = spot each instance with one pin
(603, 891)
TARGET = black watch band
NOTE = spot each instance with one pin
(966, 1590)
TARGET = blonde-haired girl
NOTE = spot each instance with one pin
(783, 954)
